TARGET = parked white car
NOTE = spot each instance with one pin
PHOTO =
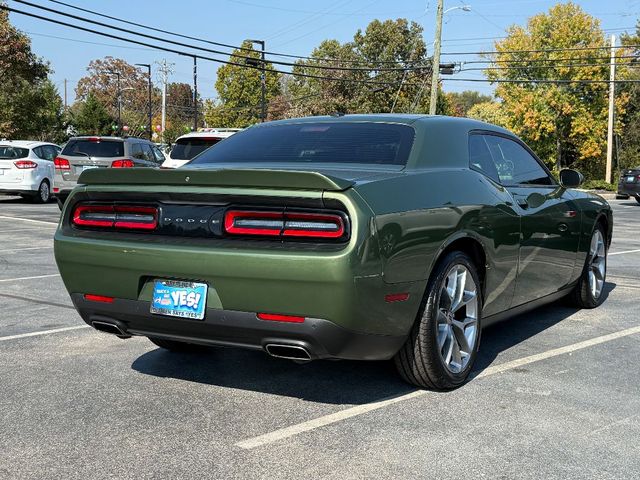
(192, 144)
(27, 169)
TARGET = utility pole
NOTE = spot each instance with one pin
(435, 68)
(612, 94)
(195, 94)
(165, 70)
(150, 129)
(263, 81)
(65, 94)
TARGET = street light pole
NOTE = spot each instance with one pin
(435, 68)
(150, 110)
(263, 82)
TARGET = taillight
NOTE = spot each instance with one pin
(284, 224)
(126, 163)
(61, 163)
(125, 217)
(25, 164)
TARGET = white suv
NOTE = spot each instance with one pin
(26, 169)
(192, 144)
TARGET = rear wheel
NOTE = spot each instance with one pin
(176, 346)
(443, 343)
(588, 291)
(44, 193)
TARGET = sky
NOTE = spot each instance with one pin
(287, 26)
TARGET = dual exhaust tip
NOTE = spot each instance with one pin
(278, 350)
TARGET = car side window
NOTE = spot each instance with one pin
(158, 154)
(514, 164)
(480, 158)
(49, 152)
(147, 153)
(136, 151)
(39, 151)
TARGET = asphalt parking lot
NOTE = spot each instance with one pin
(555, 393)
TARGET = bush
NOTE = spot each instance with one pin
(599, 185)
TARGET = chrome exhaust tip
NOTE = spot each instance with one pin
(109, 327)
(289, 352)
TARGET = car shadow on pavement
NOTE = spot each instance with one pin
(331, 382)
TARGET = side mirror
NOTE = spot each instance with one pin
(570, 178)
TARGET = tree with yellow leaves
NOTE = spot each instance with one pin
(552, 98)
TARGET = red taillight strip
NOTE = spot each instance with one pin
(25, 164)
(116, 216)
(61, 163)
(286, 224)
(396, 297)
(276, 317)
(98, 298)
(306, 229)
(232, 215)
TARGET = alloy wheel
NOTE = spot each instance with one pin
(457, 318)
(597, 264)
(44, 192)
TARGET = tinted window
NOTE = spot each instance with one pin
(373, 143)
(187, 148)
(7, 152)
(136, 151)
(480, 157)
(515, 165)
(158, 154)
(94, 148)
(147, 153)
(46, 152)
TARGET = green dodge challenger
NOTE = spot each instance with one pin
(365, 237)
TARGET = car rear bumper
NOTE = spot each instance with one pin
(632, 189)
(320, 338)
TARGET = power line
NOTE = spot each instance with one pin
(566, 49)
(219, 52)
(536, 60)
(194, 55)
(558, 81)
(210, 42)
(530, 67)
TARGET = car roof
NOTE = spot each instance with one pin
(210, 132)
(25, 143)
(109, 138)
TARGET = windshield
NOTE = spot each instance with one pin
(187, 148)
(94, 148)
(10, 153)
(321, 142)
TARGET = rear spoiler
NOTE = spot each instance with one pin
(295, 179)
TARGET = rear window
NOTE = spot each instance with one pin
(10, 153)
(187, 148)
(94, 149)
(371, 143)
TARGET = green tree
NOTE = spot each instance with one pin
(628, 153)
(30, 106)
(239, 90)
(388, 44)
(490, 112)
(90, 117)
(565, 123)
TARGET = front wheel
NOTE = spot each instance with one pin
(443, 343)
(588, 291)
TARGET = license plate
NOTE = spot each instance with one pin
(179, 299)
(630, 179)
(89, 167)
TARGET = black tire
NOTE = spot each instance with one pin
(44, 193)
(419, 361)
(581, 295)
(621, 196)
(638, 199)
(176, 346)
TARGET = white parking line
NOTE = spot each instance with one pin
(27, 220)
(34, 228)
(293, 430)
(42, 332)
(29, 278)
(626, 251)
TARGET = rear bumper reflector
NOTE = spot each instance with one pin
(274, 317)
